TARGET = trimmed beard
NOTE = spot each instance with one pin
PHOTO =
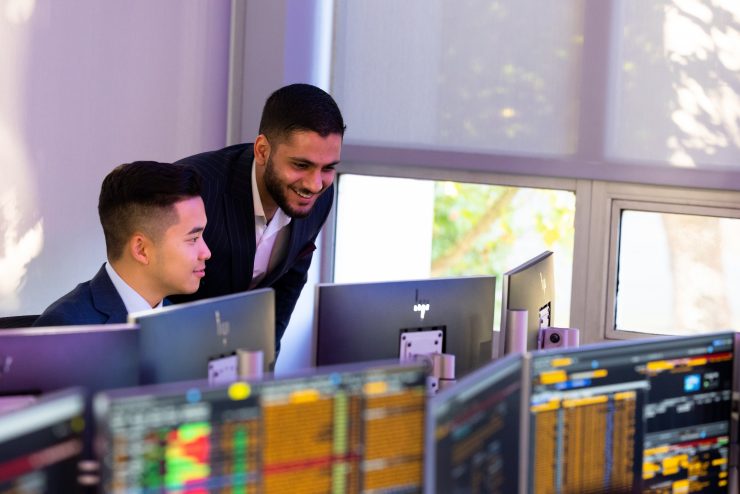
(278, 192)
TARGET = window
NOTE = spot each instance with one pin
(675, 269)
(399, 228)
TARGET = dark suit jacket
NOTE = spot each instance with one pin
(227, 193)
(92, 302)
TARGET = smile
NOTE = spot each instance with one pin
(303, 194)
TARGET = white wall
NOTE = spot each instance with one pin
(84, 86)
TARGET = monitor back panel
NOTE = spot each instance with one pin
(36, 360)
(530, 287)
(363, 322)
(178, 341)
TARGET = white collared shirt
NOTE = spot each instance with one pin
(131, 298)
(271, 238)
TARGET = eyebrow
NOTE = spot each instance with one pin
(309, 162)
(197, 229)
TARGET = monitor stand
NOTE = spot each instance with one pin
(427, 344)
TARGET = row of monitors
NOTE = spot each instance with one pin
(176, 343)
(641, 416)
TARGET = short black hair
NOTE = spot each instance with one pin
(140, 196)
(300, 107)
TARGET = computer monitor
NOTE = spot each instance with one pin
(473, 432)
(41, 445)
(39, 360)
(358, 322)
(531, 287)
(337, 430)
(645, 416)
(44, 359)
(177, 341)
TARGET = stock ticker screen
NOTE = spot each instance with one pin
(41, 445)
(343, 431)
(473, 432)
(651, 416)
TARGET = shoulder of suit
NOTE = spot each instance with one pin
(226, 155)
(66, 309)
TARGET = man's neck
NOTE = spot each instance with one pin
(137, 281)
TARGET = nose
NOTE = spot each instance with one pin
(314, 181)
(205, 252)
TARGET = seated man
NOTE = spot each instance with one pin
(153, 219)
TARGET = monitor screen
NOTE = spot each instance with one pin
(366, 321)
(531, 287)
(473, 431)
(177, 341)
(339, 430)
(41, 445)
(647, 416)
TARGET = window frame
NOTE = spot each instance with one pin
(597, 313)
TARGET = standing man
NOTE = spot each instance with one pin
(153, 220)
(266, 202)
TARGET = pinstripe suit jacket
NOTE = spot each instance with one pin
(229, 233)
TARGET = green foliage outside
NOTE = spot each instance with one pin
(487, 229)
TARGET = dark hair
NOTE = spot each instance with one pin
(300, 107)
(140, 196)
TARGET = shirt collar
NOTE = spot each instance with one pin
(131, 298)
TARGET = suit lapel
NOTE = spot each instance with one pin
(239, 215)
(106, 298)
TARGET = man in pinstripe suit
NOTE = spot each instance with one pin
(266, 202)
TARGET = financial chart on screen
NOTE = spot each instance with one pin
(340, 431)
(652, 416)
(473, 432)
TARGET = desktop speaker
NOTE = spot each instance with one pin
(558, 338)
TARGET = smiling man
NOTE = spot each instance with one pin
(153, 220)
(266, 202)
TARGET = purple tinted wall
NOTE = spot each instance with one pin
(84, 86)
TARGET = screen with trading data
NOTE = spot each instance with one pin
(338, 431)
(41, 445)
(473, 432)
(649, 416)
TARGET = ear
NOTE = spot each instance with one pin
(261, 150)
(140, 248)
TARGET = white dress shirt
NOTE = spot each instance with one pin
(131, 298)
(271, 238)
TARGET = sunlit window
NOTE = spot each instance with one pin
(395, 228)
(678, 273)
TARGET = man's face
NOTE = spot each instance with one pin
(297, 171)
(180, 255)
